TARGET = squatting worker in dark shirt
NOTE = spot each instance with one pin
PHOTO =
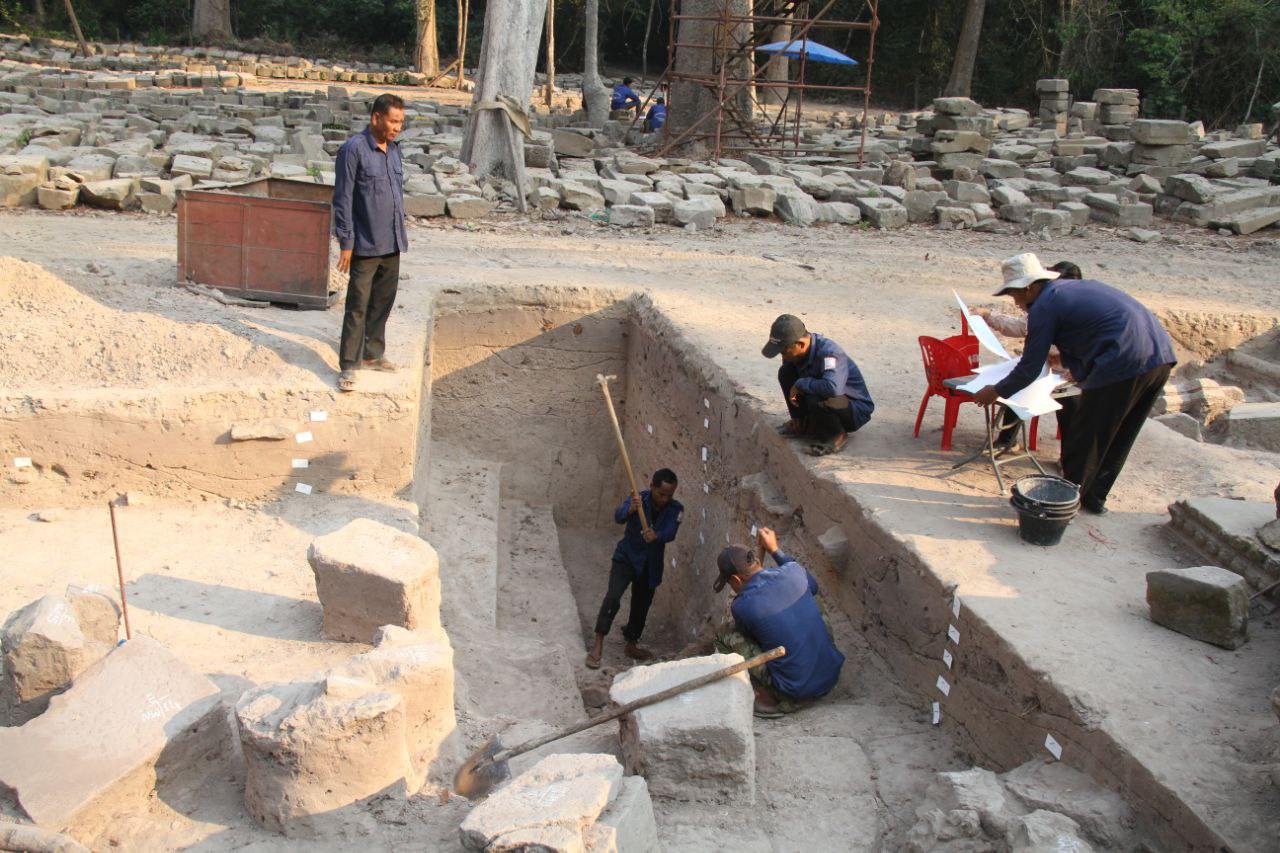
(624, 97)
(637, 562)
(824, 390)
(368, 220)
(777, 607)
(1116, 351)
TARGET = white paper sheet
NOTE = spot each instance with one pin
(1034, 400)
(982, 331)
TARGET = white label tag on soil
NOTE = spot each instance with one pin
(937, 712)
(704, 454)
(318, 415)
(706, 404)
(706, 488)
(649, 428)
(753, 531)
(300, 463)
(303, 437)
(955, 607)
(946, 658)
(702, 540)
(944, 686)
(1055, 748)
(706, 423)
(303, 488)
(22, 462)
(953, 634)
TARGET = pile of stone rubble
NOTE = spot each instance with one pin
(71, 135)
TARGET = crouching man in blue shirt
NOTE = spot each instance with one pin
(776, 607)
(637, 562)
(824, 389)
(1117, 352)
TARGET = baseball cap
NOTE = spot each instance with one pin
(733, 560)
(784, 332)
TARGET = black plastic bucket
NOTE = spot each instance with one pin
(1045, 507)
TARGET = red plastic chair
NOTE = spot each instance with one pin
(944, 361)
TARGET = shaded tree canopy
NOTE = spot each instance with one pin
(1194, 59)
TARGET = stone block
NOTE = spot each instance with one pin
(135, 714)
(19, 190)
(1148, 131)
(1251, 221)
(1056, 787)
(1162, 155)
(883, 213)
(577, 196)
(1056, 222)
(627, 824)
(700, 747)
(56, 198)
(1145, 185)
(314, 746)
(755, 200)
(839, 212)
(45, 645)
(956, 217)
(1255, 424)
(920, 204)
(1233, 148)
(1192, 188)
(1086, 177)
(548, 807)
(1205, 603)
(796, 207)
(1043, 830)
(700, 211)
(1183, 424)
(569, 144)
(955, 141)
(113, 194)
(900, 174)
(1206, 399)
(428, 204)
(462, 206)
(660, 202)
(369, 575)
(1078, 211)
(617, 192)
(966, 191)
(92, 167)
(993, 168)
(957, 106)
(196, 167)
(631, 216)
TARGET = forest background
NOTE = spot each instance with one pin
(1213, 60)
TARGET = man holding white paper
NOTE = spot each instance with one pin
(1115, 349)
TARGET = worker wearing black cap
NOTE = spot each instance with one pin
(776, 607)
(824, 389)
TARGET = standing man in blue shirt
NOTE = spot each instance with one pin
(777, 607)
(368, 220)
(1116, 351)
(624, 97)
(637, 562)
(824, 389)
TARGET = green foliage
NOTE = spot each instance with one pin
(24, 139)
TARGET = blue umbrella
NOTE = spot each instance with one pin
(812, 51)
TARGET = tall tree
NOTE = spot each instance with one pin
(593, 97)
(426, 53)
(508, 58)
(961, 83)
(211, 21)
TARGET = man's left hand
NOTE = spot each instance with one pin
(794, 395)
(986, 396)
(649, 535)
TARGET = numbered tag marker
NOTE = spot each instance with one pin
(303, 437)
(303, 488)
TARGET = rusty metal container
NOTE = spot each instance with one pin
(266, 239)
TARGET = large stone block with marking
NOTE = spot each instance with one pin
(1206, 603)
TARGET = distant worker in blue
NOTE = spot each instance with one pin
(777, 607)
(1117, 352)
(657, 116)
(368, 220)
(637, 562)
(824, 389)
(624, 97)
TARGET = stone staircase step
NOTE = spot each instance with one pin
(534, 594)
(460, 519)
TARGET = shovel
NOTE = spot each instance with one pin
(487, 767)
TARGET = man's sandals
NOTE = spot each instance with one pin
(827, 448)
(793, 429)
(382, 364)
(592, 662)
(347, 380)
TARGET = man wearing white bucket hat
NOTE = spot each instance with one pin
(1115, 349)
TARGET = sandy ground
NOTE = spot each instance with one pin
(229, 585)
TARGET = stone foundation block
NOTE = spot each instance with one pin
(18, 190)
(699, 746)
(660, 202)
(1256, 424)
(314, 746)
(45, 645)
(628, 824)
(55, 198)
(702, 211)
(369, 575)
(631, 216)
(1056, 787)
(468, 206)
(114, 194)
(884, 213)
(796, 208)
(424, 204)
(1205, 602)
(551, 806)
(755, 200)
(1042, 830)
(136, 714)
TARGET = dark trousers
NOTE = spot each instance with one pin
(371, 291)
(826, 417)
(1103, 429)
(621, 576)
(1009, 421)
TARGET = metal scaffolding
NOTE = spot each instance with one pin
(737, 119)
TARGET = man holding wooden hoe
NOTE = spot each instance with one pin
(652, 519)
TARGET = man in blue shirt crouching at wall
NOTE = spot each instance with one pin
(776, 607)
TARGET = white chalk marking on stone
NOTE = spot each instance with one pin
(937, 713)
(706, 423)
(673, 562)
(303, 488)
(22, 462)
(704, 454)
(946, 658)
(300, 463)
(753, 531)
(953, 634)
(649, 427)
(702, 540)
(303, 437)
(706, 404)
(955, 607)
(1055, 748)
(318, 415)
(944, 686)
(706, 488)
(726, 539)
(704, 513)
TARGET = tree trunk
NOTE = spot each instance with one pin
(779, 70)
(551, 51)
(961, 82)
(211, 21)
(39, 13)
(75, 26)
(508, 58)
(426, 54)
(594, 98)
(691, 108)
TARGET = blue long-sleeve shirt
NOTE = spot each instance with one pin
(633, 550)
(623, 97)
(827, 371)
(1104, 336)
(657, 116)
(776, 607)
(368, 198)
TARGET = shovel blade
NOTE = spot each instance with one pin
(480, 774)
